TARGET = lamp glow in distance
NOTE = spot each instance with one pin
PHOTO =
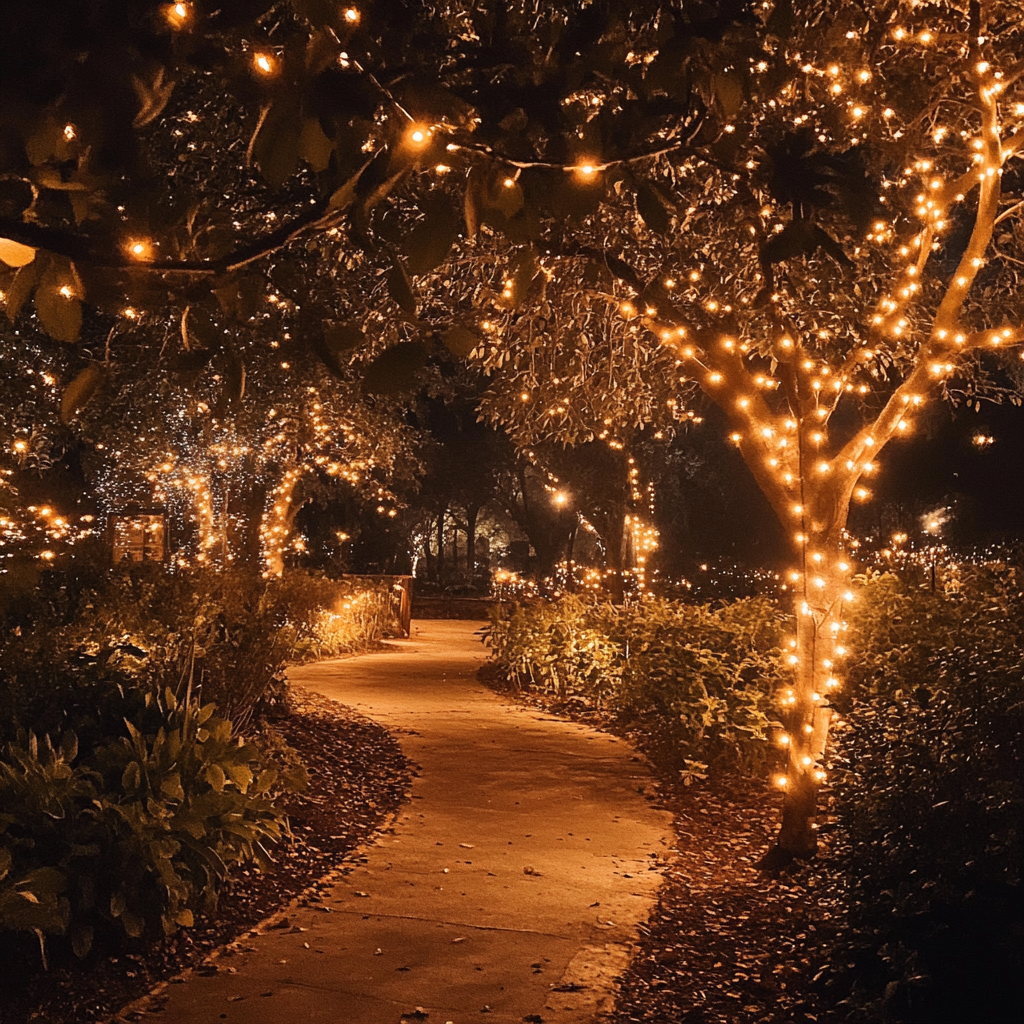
(178, 15)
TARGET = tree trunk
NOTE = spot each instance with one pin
(615, 557)
(428, 555)
(440, 543)
(278, 520)
(471, 514)
(815, 655)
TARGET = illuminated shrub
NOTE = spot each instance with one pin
(695, 681)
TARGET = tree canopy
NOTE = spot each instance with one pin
(808, 212)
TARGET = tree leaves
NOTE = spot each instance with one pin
(21, 287)
(342, 337)
(395, 369)
(652, 208)
(314, 147)
(336, 340)
(429, 243)
(77, 394)
(274, 147)
(14, 254)
(400, 288)
(152, 96)
(526, 269)
(198, 331)
(57, 301)
(460, 341)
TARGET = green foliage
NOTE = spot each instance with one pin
(130, 820)
(73, 651)
(139, 832)
(695, 681)
(328, 618)
(85, 639)
(929, 798)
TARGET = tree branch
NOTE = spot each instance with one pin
(80, 249)
(507, 161)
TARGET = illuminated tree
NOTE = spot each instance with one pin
(810, 209)
(578, 391)
(843, 252)
(237, 438)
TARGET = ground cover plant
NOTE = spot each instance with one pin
(357, 777)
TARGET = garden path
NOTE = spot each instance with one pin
(509, 885)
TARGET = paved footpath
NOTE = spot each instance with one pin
(507, 889)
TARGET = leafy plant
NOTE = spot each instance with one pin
(929, 801)
(696, 681)
(140, 833)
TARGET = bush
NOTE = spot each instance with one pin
(696, 681)
(83, 642)
(138, 833)
(125, 796)
(330, 618)
(929, 801)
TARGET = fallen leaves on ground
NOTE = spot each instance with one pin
(726, 944)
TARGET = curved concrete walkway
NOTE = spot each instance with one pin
(509, 886)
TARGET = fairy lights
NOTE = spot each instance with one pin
(418, 136)
(810, 476)
(139, 249)
(178, 15)
(264, 63)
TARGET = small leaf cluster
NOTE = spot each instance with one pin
(694, 681)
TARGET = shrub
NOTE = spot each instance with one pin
(329, 618)
(73, 650)
(697, 681)
(140, 832)
(929, 801)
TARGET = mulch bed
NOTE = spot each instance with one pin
(358, 776)
(728, 944)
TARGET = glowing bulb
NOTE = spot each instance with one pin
(418, 135)
(352, 16)
(177, 14)
(264, 63)
(585, 170)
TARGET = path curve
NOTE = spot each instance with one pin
(510, 884)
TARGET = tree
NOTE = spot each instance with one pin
(845, 250)
(558, 377)
(813, 210)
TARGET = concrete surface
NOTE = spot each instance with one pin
(509, 886)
